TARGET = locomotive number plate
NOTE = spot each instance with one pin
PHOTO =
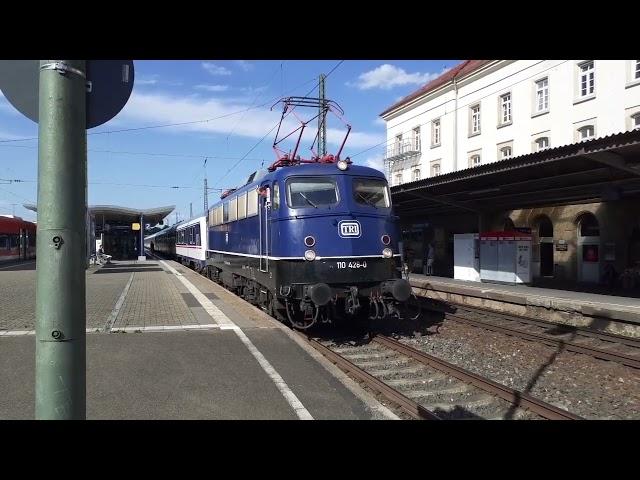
(362, 264)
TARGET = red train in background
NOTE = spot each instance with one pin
(17, 239)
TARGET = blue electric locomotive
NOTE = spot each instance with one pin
(310, 242)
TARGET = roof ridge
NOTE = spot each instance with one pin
(440, 80)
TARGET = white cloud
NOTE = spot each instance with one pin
(254, 89)
(388, 76)
(159, 108)
(375, 162)
(244, 65)
(214, 69)
(155, 80)
(150, 80)
(213, 88)
(380, 121)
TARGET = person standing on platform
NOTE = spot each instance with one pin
(429, 254)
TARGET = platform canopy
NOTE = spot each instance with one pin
(122, 215)
(603, 169)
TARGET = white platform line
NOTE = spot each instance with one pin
(227, 324)
(165, 328)
(18, 333)
(114, 313)
(17, 265)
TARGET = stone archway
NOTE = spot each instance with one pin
(544, 244)
(508, 225)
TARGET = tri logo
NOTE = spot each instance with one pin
(349, 229)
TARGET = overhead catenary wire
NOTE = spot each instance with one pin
(153, 154)
(175, 124)
(273, 128)
(175, 187)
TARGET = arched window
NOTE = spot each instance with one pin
(435, 169)
(588, 225)
(505, 153)
(508, 225)
(542, 143)
(416, 174)
(586, 133)
(545, 227)
(398, 179)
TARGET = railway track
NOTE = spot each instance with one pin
(574, 339)
(426, 387)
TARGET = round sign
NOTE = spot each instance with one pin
(109, 86)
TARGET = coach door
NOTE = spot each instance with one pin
(23, 244)
(264, 196)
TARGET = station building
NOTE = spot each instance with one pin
(550, 147)
(118, 230)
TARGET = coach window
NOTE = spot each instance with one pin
(3, 242)
(276, 196)
(225, 212)
(233, 209)
(197, 230)
(252, 202)
(311, 192)
(369, 191)
(242, 206)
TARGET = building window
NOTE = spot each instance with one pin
(505, 152)
(416, 174)
(505, 108)
(435, 133)
(416, 139)
(475, 119)
(475, 160)
(435, 169)
(636, 74)
(542, 95)
(635, 121)
(587, 132)
(397, 148)
(587, 79)
(398, 179)
(542, 143)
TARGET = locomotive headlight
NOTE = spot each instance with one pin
(386, 239)
(310, 255)
(342, 165)
(387, 253)
(309, 241)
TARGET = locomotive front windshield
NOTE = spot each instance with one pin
(306, 192)
(369, 191)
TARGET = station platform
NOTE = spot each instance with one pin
(163, 342)
(614, 314)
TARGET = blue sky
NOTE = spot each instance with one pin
(168, 92)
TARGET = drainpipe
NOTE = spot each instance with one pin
(455, 126)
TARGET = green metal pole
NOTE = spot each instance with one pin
(61, 241)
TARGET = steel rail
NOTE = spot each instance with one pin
(511, 395)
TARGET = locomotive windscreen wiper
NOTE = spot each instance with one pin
(366, 200)
(308, 201)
